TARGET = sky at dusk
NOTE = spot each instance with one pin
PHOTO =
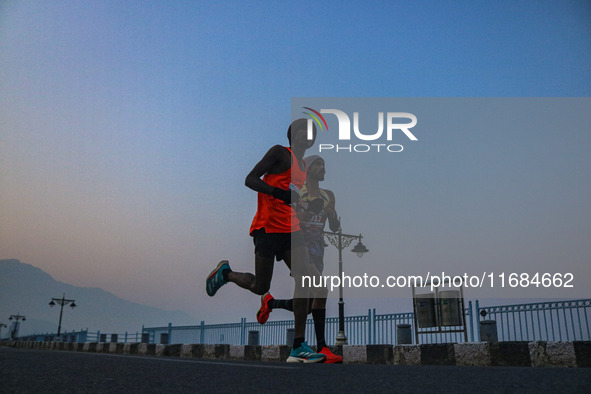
(127, 129)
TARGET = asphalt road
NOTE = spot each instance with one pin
(39, 371)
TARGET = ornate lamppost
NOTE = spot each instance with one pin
(341, 241)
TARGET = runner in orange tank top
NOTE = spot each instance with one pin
(273, 214)
(276, 232)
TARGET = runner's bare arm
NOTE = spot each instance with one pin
(274, 161)
(333, 219)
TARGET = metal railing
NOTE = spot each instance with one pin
(550, 321)
(545, 321)
(84, 336)
(360, 330)
(540, 321)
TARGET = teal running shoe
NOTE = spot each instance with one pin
(215, 279)
(304, 354)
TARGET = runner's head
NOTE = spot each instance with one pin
(297, 133)
(316, 168)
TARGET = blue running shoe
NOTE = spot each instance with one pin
(304, 354)
(215, 279)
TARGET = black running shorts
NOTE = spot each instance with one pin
(275, 244)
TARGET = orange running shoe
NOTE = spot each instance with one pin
(264, 311)
(331, 358)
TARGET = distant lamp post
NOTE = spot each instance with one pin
(341, 241)
(63, 302)
(16, 324)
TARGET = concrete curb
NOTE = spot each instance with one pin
(212, 352)
(583, 353)
(552, 354)
(130, 348)
(146, 349)
(523, 354)
(275, 353)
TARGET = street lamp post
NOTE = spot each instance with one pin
(16, 317)
(62, 301)
(341, 241)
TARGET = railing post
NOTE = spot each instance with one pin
(369, 327)
(242, 331)
(374, 326)
(471, 314)
(477, 318)
(202, 333)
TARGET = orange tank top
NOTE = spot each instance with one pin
(273, 214)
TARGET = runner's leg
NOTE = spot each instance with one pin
(261, 281)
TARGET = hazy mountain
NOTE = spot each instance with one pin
(27, 290)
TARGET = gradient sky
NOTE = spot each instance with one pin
(127, 128)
